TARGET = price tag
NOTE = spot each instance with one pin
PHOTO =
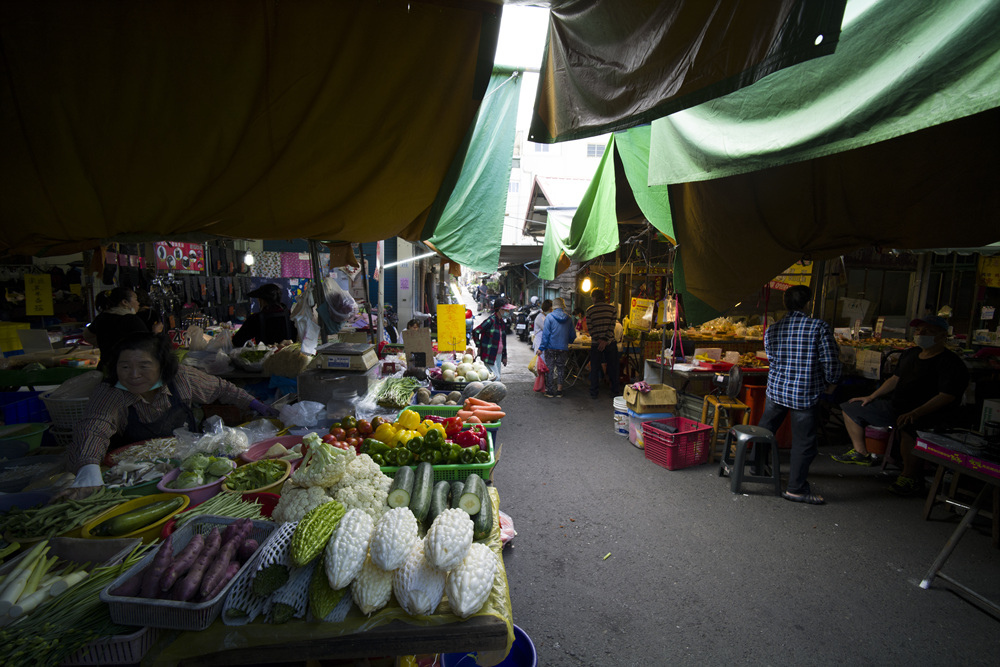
(987, 313)
(879, 323)
(38, 294)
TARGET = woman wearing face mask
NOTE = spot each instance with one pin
(923, 393)
(116, 319)
(146, 394)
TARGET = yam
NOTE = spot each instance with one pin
(455, 396)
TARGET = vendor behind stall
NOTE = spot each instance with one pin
(117, 318)
(146, 394)
(272, 324)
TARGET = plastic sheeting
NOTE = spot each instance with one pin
(614, 64)
(466, 223)
(267, 120)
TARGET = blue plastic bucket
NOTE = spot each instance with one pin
(522, 654)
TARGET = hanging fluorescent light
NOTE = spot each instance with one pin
(248, 258)
(405, 261)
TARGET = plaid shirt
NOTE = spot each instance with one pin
(107, 410)
(803, 359)
(491, 337)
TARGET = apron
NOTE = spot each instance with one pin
(174, 418)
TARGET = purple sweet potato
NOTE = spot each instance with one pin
(192, 580)
(246, 550)
(230, 572)
(185, 559)
(152, 575)
(218, 566)
(132, 587)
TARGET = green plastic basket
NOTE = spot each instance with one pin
(449, 411)
(457, 471)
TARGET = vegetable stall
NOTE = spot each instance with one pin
(364, 538)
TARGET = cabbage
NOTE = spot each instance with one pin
(220, 467)
(195, 462)
(188, 479)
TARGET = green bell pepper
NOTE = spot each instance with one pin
(390, 456)
(415, 444)
(434, 439)
(469, 454)
(378, 459)
(404, 457)
(482, 457)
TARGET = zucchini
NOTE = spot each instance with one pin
(439, 500)
(456, 493)
(470, 500)
(140, 517)
(423, 485)
(482, 523)
(401, 488)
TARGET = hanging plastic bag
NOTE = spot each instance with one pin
(194, 337)
(540, 383)
(647, 318)
(304, 317)
(259, 429)
(221, 342)
(303, 413)
(532, 364)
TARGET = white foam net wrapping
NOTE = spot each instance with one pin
(241, 596)
(295, 593)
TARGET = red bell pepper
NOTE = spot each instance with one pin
(452, 426)
(466, 439)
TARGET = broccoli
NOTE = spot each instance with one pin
(195, 462)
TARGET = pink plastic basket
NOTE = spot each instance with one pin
(687, 447)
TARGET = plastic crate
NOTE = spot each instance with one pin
(172, 614)
(457, 471)
(687, 447)
(23, 407)
(116, 650)
(449, 411)
(65, 412)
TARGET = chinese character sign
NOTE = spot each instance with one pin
(989, 271)
(38, 294)
(799, 273)
(451, 327)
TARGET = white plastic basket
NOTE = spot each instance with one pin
(63, 438)
(117, 650)
(65, 412)
(172, 614)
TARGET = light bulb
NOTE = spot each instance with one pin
(248, 258)
(586, 284)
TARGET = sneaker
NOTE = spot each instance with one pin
(907, 486)
(855, 457)
(558, 394)
(549, 394)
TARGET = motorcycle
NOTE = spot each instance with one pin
(532, 314)
(522, 323)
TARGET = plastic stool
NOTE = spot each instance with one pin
(720, 404)
(745, 437)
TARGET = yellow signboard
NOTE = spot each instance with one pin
(451, 327)
(799, 273)
(989, 271)
(76, 288)
(637, 314)
(38, 294)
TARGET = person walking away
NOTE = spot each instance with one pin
(600, 324)
(557, 333)
(481, 293)
(536, 326)
(117, 319)
(804, 360)
(491, 338)
(272, 324)
(923, 393)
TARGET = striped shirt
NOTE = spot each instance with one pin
(803, 359)
(108, 408)
(601, 322)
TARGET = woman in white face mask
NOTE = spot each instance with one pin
(923, 393)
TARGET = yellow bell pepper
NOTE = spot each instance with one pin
(408, 419)
(386, 433)
(421, 428)
(405, 435)
(432, 426)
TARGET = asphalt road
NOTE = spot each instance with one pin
(699, 576)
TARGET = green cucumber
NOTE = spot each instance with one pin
(147, 515)
(482, 523)
(423, 485)
(401, 488)
(456, 493)
(439, 500)
(471, 501)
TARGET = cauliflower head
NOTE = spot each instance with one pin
(323, 465)
(296, 501)
(363, 487)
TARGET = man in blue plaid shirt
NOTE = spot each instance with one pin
(804, 359)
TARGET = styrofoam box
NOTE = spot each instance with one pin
(172, 614)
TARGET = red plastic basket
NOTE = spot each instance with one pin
(687, 447)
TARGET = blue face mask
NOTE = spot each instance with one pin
(119, 385)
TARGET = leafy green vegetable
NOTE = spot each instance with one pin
(196, 462)
(188, 480)
(255, 475)
(219, 467)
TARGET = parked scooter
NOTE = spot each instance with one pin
(522, 323)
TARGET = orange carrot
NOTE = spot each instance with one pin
(464, 414)
(490, 415)
(473, 420)
(472, 400)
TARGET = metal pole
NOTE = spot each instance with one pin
(368, 301)
(318, 289)
(380, 262)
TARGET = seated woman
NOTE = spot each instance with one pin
(272, 324)
(146, 394)
(117, 318)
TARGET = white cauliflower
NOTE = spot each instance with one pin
(323, 465)
(296, 501)
(363, 487)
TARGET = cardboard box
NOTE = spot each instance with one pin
(991, 412)
(869, 363)
(660, 398)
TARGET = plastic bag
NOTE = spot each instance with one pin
(221, 342)
(260, 429)
(304, 318)
(195, 338)
(532, 364)
(539, 383)
(507, 532)
(303, 413)
(341, 305)
(254, 363)
(216, 439)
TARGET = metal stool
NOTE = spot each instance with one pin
(734, 466)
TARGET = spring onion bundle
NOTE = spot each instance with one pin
(396, 392)
(223, 504)
(59, 517)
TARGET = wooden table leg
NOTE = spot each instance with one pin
(932, 494)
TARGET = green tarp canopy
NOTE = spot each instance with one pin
(465, 223)
(614, 64)
(893, 141)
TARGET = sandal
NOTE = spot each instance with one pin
(808, 498)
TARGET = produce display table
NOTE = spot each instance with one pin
(389, 631)
(31, 379)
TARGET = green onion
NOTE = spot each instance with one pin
(223, 504)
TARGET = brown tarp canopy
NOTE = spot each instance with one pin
(264, 120)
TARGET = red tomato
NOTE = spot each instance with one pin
(338, 433)
(353, 442)
(340, 445)
(352, 432)
(329, 439)
(364, 427)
